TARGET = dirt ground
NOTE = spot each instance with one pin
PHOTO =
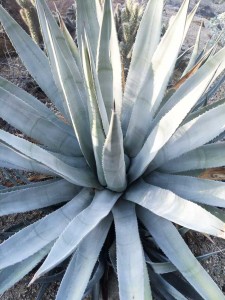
(10, 67)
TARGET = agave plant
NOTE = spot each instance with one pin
(123, 165)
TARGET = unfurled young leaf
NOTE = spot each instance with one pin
(113, 158)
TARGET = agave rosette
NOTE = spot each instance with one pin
(126, 156)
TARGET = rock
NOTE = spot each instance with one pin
(218, 1)
(206, 12)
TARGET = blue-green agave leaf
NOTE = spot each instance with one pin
(78, 229)
(194, 54)
(168, 267)
(96, 124)
(113, 159)
(169, 240)
(11, 275)
(210, 92)
(71, 44)
(148, 37)
(164, 288)
(191, 135)
(198, 190)
(192, 86)
(165, 128)
(32, 56)
(68, 79)
(36, 104)
(165, 56)
(204, 157)
(168, 205)
(202, 110)
(34, 237)
(88, 20)
(104, 64)
(33, 124)
(137, 130)
(83, 261)
(189, 19)
(174, 112)
(13, 160)
(109, 62)
(130, 258)
(31, 198)
(96, 89)
(78, 176)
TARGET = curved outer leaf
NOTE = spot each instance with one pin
(83, 261)
(88, 19)
(68, 79)
(78, 229)
(113, 160)
(36, 104)
(148, 37)
(78, 176)
(37, 235)
(32, 56)
(37, 197)
(97, 131)
(169, 240)
(33, 124)
(191, 136)
(109, 62)
(204, 157)
(166, 204)
(130, 259)
(11, 159)
(195, 189)
(11, 275)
